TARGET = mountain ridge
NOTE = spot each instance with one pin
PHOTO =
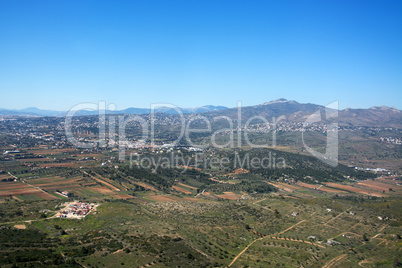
(287, 110)
(33, 111)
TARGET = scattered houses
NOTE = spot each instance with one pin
(76, 210)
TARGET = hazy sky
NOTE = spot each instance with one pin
(55, 54)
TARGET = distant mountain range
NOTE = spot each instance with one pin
(380, 116)
(32, 111)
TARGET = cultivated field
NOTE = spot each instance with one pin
(355, 189)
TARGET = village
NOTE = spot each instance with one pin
(76, 210)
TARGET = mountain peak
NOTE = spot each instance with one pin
(383, 108)
(281, 100)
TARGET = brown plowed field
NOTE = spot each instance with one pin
(380, 186)
(355, 189)
(12, 187)
(208, 194)
(122, 196)
(177, 188)
(22, 191)
(229, 195)
(102, 190)
(188, 186)
(146, 186)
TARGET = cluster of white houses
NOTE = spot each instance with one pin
(76, 210)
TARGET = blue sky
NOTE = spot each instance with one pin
(56, 54)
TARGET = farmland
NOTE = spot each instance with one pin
(194, 217)
(236, 233)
